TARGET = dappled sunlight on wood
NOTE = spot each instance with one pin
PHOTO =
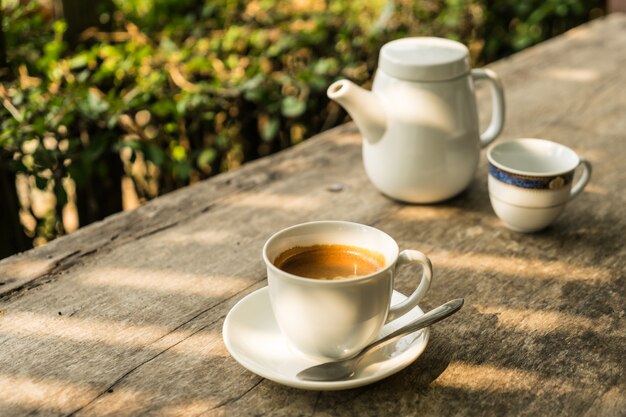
(54, 396)
(423, 213)
(122, 402)
(164, 281)
(201, 237)
(483, 377)
(572, 74)
(112, 333)
(528, 320)
(596, 189)
(190, 408)
(50, 396)
(26, 268)
(525, 267)
(580, 32)
(596, 156)
(611, 403)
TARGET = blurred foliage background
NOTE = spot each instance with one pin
(107, 104)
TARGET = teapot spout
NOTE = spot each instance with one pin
(364, 107)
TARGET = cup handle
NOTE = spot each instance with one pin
(497, 98)
(584, 178)
(412, 257)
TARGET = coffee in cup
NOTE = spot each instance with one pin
(331, 282)
(330, 261)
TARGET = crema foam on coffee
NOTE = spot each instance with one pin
(330, 262)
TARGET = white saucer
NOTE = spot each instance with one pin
(252, 337)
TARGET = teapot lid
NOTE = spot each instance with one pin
(424, 59)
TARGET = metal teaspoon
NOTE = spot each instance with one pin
(345, 368)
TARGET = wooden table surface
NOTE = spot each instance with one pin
(124, 317)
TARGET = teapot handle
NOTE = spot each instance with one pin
(497, 98)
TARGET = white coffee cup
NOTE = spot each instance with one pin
(531, 181)
(334, 319)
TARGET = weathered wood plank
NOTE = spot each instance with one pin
(124, 317)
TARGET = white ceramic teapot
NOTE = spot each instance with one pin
(420, 122)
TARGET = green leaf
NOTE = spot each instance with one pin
(179, 153)
(182, 170)
(326, 66)
(168, 45)
(292, 107)
(78, 61)
(112, 121)
(253, 83)
(181, 105)
(206, 157)
(163, 108)
(171, 127)
(96, 104)
(155, 155)
(59, 26)
(270, 129)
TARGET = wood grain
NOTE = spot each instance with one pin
(124, 317)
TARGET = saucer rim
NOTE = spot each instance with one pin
(312, 385)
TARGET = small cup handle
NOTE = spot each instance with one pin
(412, 257)
(497, 98)
(584, 178)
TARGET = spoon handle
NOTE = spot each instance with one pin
(426, 320)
